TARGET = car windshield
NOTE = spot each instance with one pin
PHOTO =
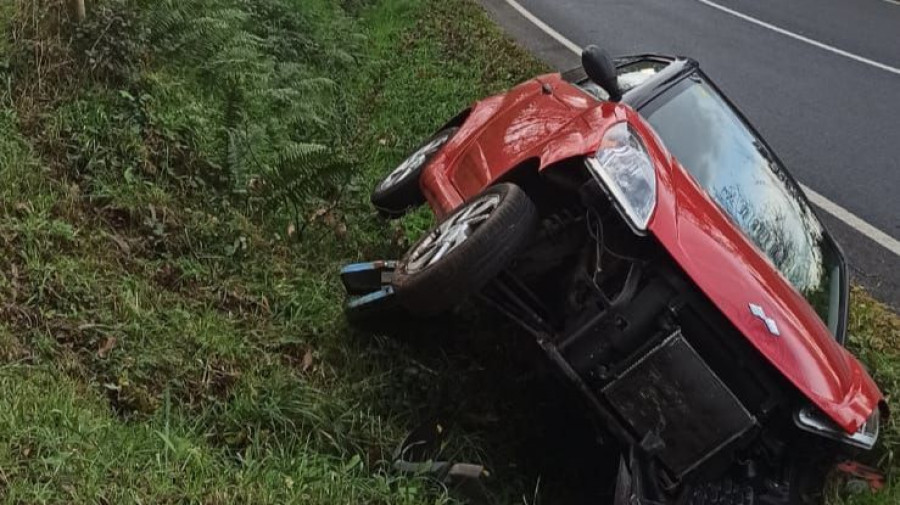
(712, 142)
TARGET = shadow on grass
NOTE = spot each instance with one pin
(489, 382)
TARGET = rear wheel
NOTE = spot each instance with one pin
(399, 191)
(465, 250)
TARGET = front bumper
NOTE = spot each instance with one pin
(810, 419)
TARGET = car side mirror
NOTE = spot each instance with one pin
(600, 69)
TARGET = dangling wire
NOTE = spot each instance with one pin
(595, 229)
(596, 233)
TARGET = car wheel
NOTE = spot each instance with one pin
(399, 191)
(465, 250)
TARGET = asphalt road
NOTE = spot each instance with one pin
(834, 120)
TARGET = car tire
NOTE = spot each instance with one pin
(399, 191)
(484, 235)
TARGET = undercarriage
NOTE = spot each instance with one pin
(662, 370)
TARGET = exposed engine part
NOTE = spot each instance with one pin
(642, 344)
(661, 395)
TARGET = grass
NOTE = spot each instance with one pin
(875, 338)
(174, 203)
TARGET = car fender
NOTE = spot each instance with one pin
(545, 118)
(581, 137)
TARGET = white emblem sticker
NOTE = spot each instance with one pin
(758, 311)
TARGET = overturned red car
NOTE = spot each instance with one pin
(630, 218)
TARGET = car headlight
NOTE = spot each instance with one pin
(811, 419)
(624, 168)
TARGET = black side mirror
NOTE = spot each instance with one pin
(599, 68)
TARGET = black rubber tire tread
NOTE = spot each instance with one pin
(395, 201)
(723, 492)
(468, 267)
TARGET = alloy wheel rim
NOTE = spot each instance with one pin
(451, 233)
(414, 161)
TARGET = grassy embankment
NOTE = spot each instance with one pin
(180, 181)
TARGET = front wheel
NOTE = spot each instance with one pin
(465, 250)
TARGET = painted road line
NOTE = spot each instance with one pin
(801, 38)
(545, 27)
(882, 238)
(845, 216)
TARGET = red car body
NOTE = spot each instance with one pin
(547, 120)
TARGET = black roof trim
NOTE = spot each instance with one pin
(678, 69)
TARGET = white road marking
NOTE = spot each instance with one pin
(545, 27)
(879, 237)
(787, 33)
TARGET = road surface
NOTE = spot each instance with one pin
(820, 79)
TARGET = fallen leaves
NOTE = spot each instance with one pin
(106, 346)
(331, 218)
(307, 361)
(120, 242)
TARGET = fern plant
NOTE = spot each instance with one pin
(279, 121)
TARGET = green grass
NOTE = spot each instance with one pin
(174, 204)
(875, 338)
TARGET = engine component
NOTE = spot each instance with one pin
(674, 402)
